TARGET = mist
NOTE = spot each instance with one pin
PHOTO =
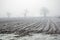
(29, 19)
(17, 8)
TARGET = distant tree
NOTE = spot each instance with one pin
(26, 11)
(44, 11)
(8, 14)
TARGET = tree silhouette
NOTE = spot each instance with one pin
(44, 11)
(26, 11)
(8, 14)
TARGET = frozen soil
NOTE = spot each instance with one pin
(35, 36)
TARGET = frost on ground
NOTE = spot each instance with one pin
(39, 36)
(30, 29)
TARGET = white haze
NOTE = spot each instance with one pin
(17, 7)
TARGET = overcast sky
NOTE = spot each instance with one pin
(17, 7)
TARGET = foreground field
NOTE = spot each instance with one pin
(30, 28)
(39, 36)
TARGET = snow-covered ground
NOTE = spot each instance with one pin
(36, 36)
(49, 25)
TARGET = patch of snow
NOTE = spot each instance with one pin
(34, 37)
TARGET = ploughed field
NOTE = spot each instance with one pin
(22, 27)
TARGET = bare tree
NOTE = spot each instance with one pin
(26, 11)
(8, 14)
(44, 11)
